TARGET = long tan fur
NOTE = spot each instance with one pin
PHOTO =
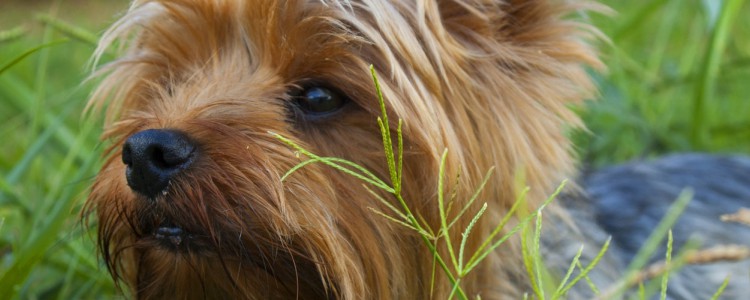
(489, 80)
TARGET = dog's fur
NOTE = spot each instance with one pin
(489, 80)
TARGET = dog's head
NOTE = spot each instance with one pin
(190, 200)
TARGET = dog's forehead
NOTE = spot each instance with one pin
(238, 47)
(269, 31)
(297, 33)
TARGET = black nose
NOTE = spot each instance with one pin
(153, 157)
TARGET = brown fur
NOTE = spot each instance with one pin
(489, 80)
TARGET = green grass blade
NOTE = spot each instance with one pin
(588, 268)
(668, 262)
(26, 53)
(641, 291)
(537, 255)
(637, 17)
(709, 70)
(69, 29)
(33, 251)
(586, 277)
(400, 169)
(297, 167)
(19, 94)
(332, 162)
(721, 289)
(652, 243)
(387, 204)
(487, 246)
(441, 209)
(399, 222)
(473, 197)
(385, 129)
(24, 164)
(12, 34)
(465, 237)
(527, 260)
(388, 147)
(571, 268)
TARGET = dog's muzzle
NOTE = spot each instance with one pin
(154, 157)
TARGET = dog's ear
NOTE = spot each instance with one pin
(537, 25)
(523, 62)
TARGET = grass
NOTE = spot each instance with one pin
(47, 160)
(677, 81)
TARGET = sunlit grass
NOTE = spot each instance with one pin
(677, 81)
(47, 159)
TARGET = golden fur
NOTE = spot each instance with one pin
(489, 80)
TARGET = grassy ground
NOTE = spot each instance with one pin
(48, 154)
(677, 81)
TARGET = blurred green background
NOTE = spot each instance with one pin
(678, 80)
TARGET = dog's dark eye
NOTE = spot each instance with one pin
(319, 101)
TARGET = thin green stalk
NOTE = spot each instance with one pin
(487, 242)
(641, 291)
(584, 273)
(397, 221)
(433, 249)
(69, 29)
(538, 254)
(637, 18)
(443, 217)
(652, 243)
(385, 129)
(488, 246)
(721, 289)
(589, 282)
(12, 34)
(571, 268)
(336, 161)
(527, 264)
(387, 204)
(708, 73)
(25, 54)
(465, 237)
(473, 197)
(668, 262)
(332, 162)
(40, 82)
(531, 260)
(400, 147)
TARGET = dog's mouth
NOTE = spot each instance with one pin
(170, 235)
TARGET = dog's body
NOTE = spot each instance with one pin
(190, 201)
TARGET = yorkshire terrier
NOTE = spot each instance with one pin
(190, 201)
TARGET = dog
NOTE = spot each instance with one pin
(190, 201)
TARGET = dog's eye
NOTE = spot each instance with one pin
(319, 101)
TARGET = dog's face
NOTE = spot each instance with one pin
(190, 200)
